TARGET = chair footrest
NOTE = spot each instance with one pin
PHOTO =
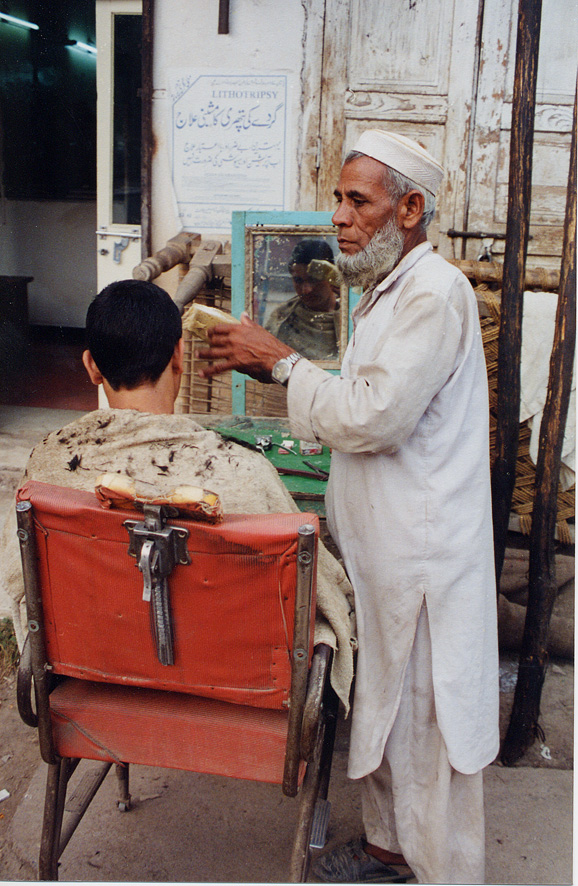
(157, 728)
(320, 824)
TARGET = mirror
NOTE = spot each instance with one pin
(294, 290)
(283, 275)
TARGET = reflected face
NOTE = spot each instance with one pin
(309, 291)
(363, 204)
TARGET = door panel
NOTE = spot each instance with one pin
(409, 66)
(442, 73)
(553, 124)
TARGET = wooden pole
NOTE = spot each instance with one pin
(517, 230)
(223, 27)
(542, 587)
(493, 272)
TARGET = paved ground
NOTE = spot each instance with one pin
(192, 828)
(195, 828)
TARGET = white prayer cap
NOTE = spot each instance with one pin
(402, 154)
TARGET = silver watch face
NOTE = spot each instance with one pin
(281, 371)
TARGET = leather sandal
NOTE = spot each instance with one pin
(352, 864)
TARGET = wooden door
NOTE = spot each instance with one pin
(441, 72)
(488, 197)
(406, 65)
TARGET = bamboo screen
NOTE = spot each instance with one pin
(213, 396)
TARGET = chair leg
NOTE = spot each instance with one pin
(315, 786)
(124, 798)
(331, 714)
(300, 855)
(56, 784)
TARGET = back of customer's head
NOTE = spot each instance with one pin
(132, 329)
(308, 250)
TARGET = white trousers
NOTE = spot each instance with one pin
(415, 802)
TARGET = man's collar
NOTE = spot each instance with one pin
(371, 295)
(407, 262)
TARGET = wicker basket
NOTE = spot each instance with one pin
(523, 495)
(214, 396)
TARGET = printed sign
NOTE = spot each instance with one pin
(229, 136)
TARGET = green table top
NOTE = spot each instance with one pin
(308, 492)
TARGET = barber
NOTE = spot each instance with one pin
(408, 504)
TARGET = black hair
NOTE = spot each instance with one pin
(132, 328)
(307, 250)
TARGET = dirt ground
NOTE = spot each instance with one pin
(19, 754)
(19, 759)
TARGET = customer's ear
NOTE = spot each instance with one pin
(94, 372)
(178, 357)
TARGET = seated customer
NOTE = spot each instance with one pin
(135, 350)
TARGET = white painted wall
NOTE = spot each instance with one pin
(55, 244)
(266, 37)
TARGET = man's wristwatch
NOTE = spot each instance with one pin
(282, 369)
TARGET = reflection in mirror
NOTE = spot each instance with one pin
(296, 292)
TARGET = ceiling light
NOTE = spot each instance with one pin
(11, 20)
(84, 47)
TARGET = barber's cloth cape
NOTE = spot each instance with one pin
(164, 451)
(408, 501)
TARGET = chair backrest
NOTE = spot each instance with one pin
(233, 606)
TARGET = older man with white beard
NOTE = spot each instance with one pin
(408, 504)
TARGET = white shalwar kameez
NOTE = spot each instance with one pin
(408, 503)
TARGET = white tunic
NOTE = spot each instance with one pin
(409, 504)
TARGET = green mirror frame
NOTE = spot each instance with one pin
(249, 228)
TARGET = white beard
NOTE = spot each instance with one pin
(376, 260)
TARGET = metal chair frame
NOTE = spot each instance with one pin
(311, 721)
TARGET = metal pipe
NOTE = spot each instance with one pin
(176, 251)
(48, 858)
(74, 818)
(300, 655)
(40, 666)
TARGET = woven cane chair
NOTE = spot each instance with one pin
(200, 659)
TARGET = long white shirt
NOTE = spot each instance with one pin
(408, 501)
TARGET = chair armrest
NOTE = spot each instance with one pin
(318, 674)
(24, 686)
(299, 663)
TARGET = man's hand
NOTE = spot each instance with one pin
(244, 346)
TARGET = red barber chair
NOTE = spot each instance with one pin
(159, 640)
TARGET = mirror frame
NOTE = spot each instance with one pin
(245, 226)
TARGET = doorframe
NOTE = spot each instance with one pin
(108, 233)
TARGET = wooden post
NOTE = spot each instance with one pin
(542, 587)
(223, 27)
(517, 229)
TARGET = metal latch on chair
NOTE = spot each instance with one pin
(158, 548)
